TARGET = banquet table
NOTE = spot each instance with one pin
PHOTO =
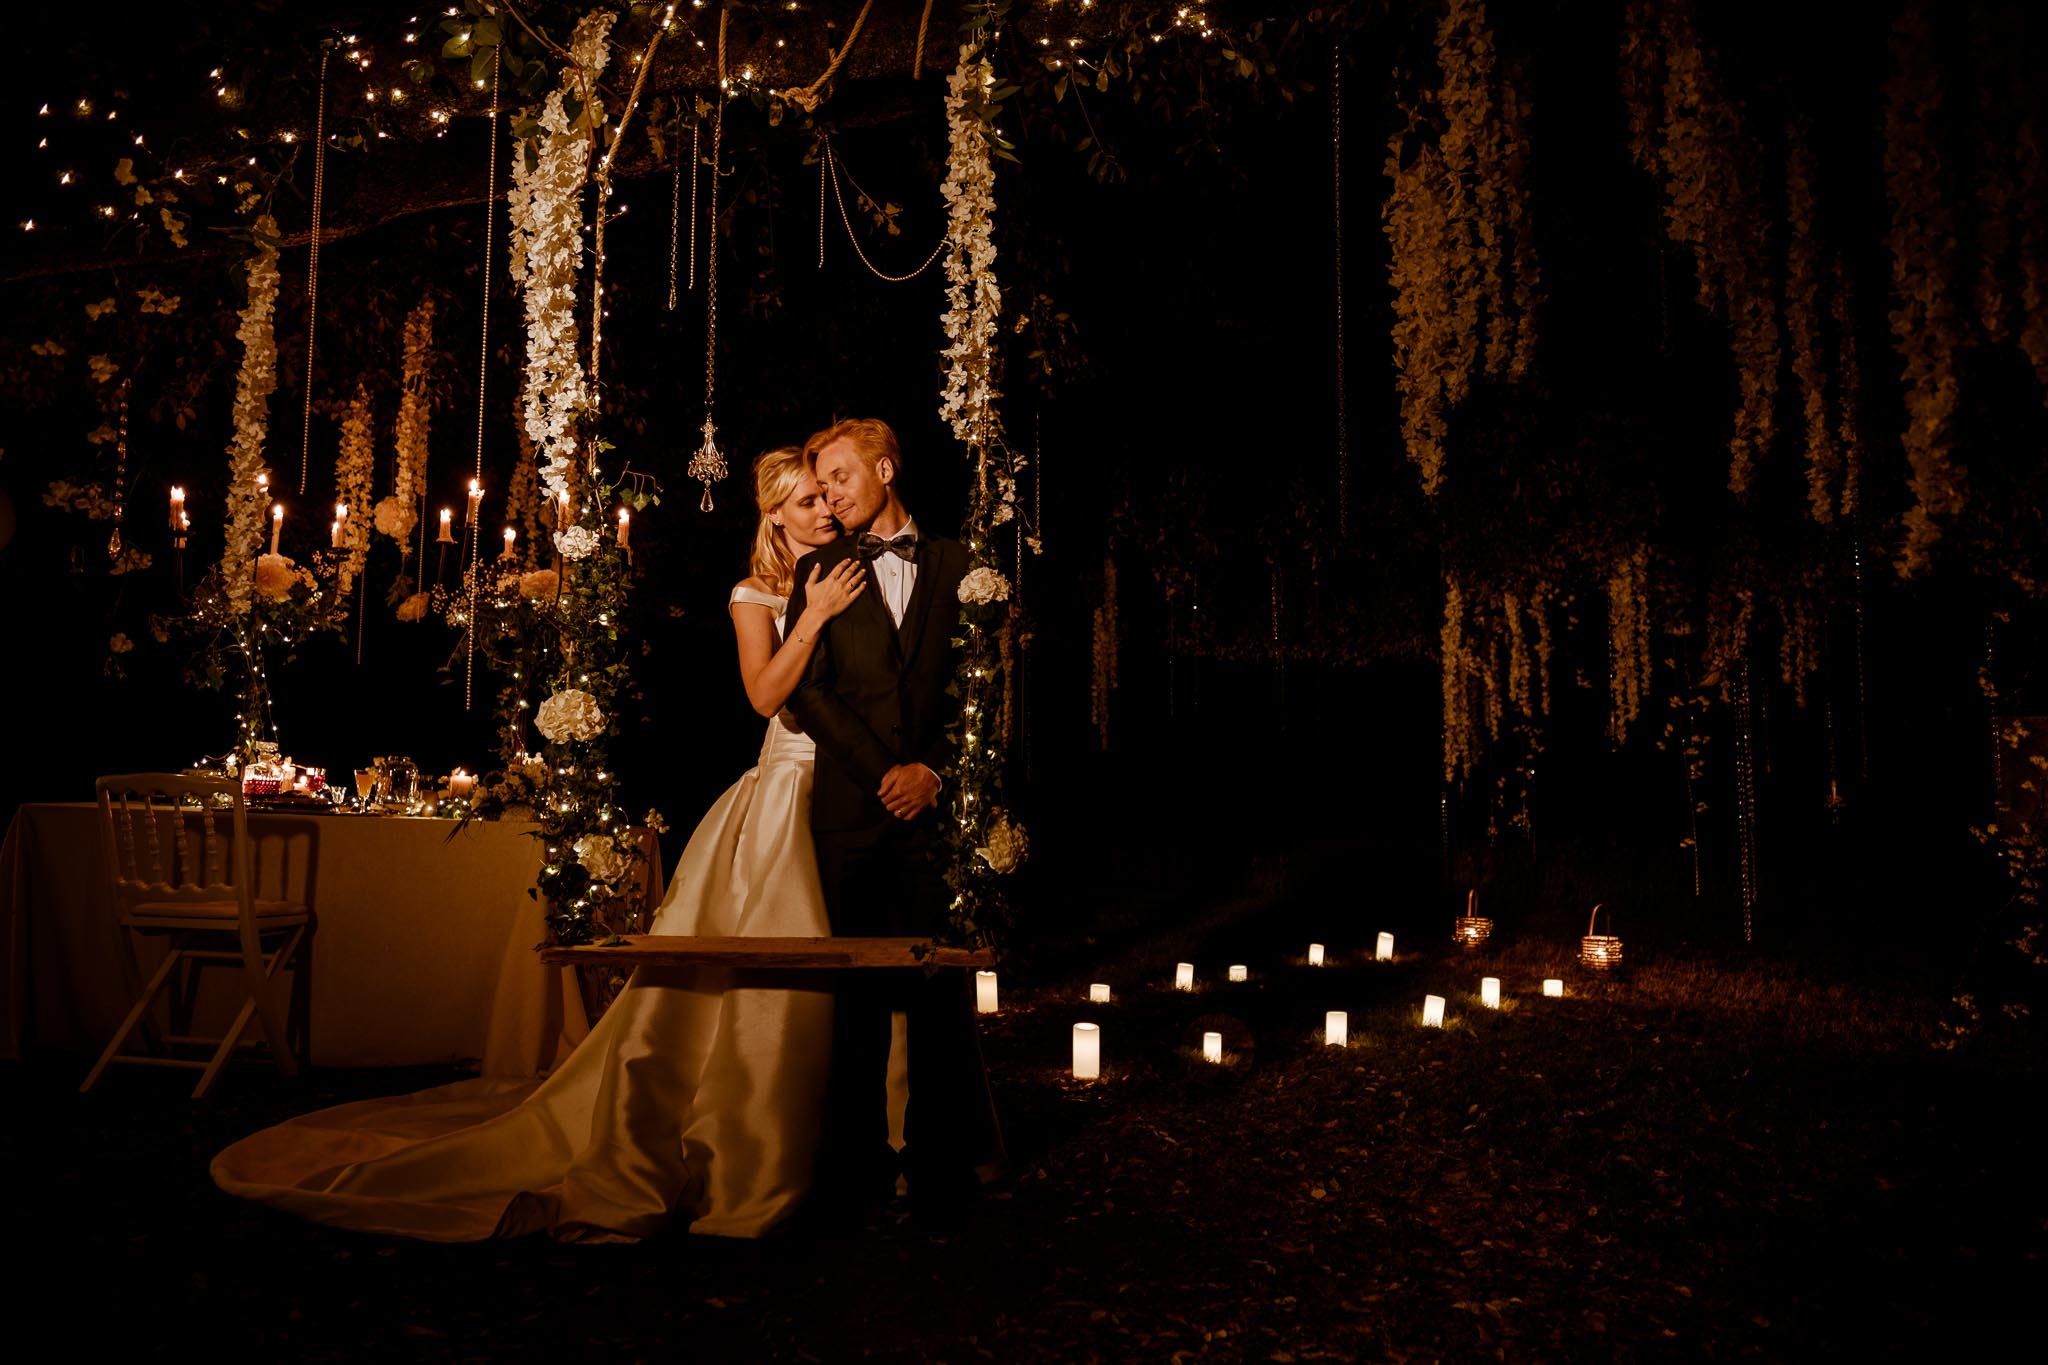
(423, 950)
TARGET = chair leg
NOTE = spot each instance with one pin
(301, 1001)
(227, 1047)
(135, 1016)
(185, 995)
(131, 982)
(261, 981)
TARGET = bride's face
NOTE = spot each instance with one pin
(805, 519)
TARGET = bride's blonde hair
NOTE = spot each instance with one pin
(776, 475)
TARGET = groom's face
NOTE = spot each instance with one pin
(854, 491)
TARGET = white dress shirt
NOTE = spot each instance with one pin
(895, 576)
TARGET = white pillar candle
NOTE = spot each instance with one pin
(1237, 971)
(1336, 1028)
(1489, 992)
(625, 528)
(1212, 1047)
(984, 992)
(1098, 992)
(1433, 1011)
(510, 536)
(276, 524)
(1385, 951)
(447, 536)
(1184, 976)
(1553, 985)
(1315, 954)
(177, 508)
(1087, 1052)
(476, 499)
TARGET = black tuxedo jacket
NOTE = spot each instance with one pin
(876, 695)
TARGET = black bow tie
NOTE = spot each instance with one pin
(870, 545)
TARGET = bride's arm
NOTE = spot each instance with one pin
(772, 673)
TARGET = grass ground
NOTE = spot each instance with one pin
(1698, 1159)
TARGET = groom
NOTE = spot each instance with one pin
(875, 701)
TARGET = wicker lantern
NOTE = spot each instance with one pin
(1601, 952)
(1471, 929)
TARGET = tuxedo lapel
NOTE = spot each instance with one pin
(923, 594)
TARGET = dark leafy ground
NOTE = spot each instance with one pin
(1695, 1160)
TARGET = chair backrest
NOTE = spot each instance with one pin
(138, 810)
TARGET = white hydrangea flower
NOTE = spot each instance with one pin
(570, 715)
(984, 585)
(578, 542)
(1007, 846)
(600, 857)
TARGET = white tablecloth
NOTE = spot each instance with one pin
(423, 952)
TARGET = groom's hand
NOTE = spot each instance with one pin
(908, 790)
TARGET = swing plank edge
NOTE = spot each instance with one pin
(682, 950)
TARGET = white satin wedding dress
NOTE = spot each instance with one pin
(693, 1098)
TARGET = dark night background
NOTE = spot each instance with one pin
(1192, 405)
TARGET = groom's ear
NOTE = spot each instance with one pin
(885, 470)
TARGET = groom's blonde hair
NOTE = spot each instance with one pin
(872, 438)
(776, 476)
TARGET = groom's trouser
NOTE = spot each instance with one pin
(884, 881)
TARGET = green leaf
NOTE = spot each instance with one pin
(488, 33)
(455, 47)
(1059, 90)
(480, 64)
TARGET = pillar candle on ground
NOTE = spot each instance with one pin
(1489, 992)
(1184, 976)
(1315, 954)
(1433, 1011)
(1087, 1052)
(984, 992)
(1212, 1047)
(1337, 1028)
(1384, 951)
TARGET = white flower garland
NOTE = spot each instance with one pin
(246, 511)
(547, 252)
(972, 298)
(398, 514)
(353, 469)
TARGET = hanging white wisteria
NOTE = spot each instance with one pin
(973, 300)
(246, 497)
(353, 468)
(399, 513)
(546, 208)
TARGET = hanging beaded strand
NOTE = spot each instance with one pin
(1337, 223)
(832, 170)
(313, 264)
(483, 367)
(1745, 797)
(707, 466)
(696, 168)
(120, 472)
(675, 230)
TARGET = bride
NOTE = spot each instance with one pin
(693, 1096)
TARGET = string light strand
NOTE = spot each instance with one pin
(313, 264)
(483, 370)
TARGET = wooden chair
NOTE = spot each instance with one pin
(203, 902)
